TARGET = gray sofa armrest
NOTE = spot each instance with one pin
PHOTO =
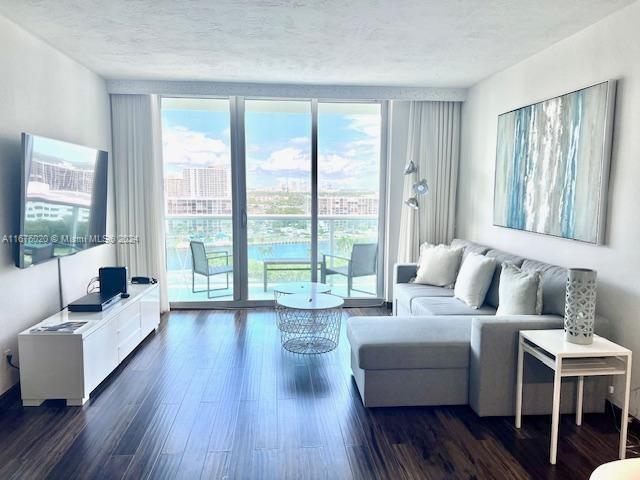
(403, 272)
(493, 359)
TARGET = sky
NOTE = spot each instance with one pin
(69, 154)
(278, 142)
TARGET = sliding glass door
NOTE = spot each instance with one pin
(260, 192)
(349, 139)
(278, 193)
(198, 199)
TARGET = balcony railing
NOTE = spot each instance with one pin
(322, 219)
(336, 234)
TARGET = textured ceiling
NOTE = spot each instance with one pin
(437, 43)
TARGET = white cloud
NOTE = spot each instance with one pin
(368, 148)
(292, 159)
(333, 163)
(348, 169)
(300, 141)
(367, 124)
(289, 159)
(186, 147)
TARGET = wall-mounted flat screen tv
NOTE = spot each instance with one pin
(63, 199)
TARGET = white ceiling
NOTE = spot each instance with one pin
(436, 43)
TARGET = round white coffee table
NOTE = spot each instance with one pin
(292, 288)
(309, 323)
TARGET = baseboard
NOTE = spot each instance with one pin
(634, 423)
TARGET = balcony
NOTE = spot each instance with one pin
(269, 237)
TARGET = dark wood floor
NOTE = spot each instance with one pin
(213, 395)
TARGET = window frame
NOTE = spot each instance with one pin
(239, 200)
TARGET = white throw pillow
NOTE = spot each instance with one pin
(519, 293)
(423, 248)
(474, 279)
(438, 265)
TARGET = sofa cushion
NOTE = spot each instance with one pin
(382, 343)
(554, 285)
(447, 306)
(501, 257)
(469, 247)
(406, 292)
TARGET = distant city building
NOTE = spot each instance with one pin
(198, 191)
(199, 206)
(61, 177)
(174, 187)
(35, 210)
(328, 186)
(200, 182)
(348, 205)
(294, 185)
(58, 191)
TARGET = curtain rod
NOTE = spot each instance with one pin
(337, 92)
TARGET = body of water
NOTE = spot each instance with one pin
(181, 258)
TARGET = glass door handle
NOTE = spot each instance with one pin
(243, 221)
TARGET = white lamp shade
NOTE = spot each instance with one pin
(410, 168)
(421, 188)
(412, 202)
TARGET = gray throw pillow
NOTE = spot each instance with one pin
(520, 293)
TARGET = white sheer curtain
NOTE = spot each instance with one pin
(434, 146)
(139, 194)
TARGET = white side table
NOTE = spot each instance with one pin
(602, 357)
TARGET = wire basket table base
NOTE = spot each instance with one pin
(309, 345)
(309, 324)
(309, 331)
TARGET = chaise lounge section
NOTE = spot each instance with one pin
(440, 351)
(411, 361)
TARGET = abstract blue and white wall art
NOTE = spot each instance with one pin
(552, 165)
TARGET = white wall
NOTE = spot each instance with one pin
(609, 49)
(43, 92)
(397, 157)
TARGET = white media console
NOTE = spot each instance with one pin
(58, 365)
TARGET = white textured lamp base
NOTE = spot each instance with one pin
(580, 306)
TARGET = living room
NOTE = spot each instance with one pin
(319, 240)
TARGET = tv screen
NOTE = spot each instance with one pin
(63, 204)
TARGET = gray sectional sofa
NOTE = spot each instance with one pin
(436, 350)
